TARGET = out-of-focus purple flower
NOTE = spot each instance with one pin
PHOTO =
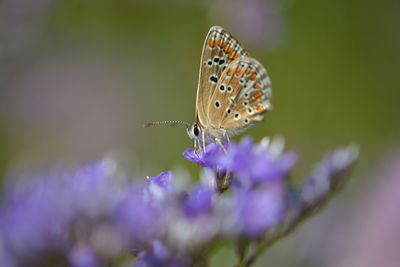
(37, 218)
(50, 210)
(157, 256)
(82, 255)
(318, 187)
(138, 219)
(92, 215)
(5, 258)
(260, 209)
(328, 174)
(96, 188)
(159, 189)
(363, 232)
(163, 180)
(199, 200)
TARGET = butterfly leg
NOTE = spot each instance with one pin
(227, 137)
(218, 141)
(195, 146)
(204, 141)
(198, 148)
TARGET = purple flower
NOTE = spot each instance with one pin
(50, 210)
(5, 258)
(318, 187)
(158, 255)
(163, 180)
(250, 163)
(257, 163)
(198, 201)
(258, 210)
(138, 219)
(93, 215)
(328, 174)
(205, 159)
(82, 255)
(35, 217)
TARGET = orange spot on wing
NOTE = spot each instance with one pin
(230, 72)
(257, 86)
(220, 43)
(227, 48)
(239, 71)
(258, 95)
(233, 55)
(259, 108)
(248, 71)
(253, 77)
(212, 42)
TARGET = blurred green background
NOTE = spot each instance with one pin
(79, 78)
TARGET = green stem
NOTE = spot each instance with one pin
(259, 250)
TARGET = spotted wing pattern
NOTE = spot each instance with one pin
(219, 50)
(242, 96)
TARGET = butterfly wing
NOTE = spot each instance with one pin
(242, 96)
(219, 50)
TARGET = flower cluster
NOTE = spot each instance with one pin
(96, 215)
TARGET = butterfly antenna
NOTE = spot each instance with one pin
(171, 123)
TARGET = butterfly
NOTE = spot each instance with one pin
(233, 93)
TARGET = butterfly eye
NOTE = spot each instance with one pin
(229, 89)
(246, 120)
(222, 88)
(209, 62)
(196, 130)
(245, 103)
(237, 116)
(229, 111)
(217, 104)
(249, 110)
(216, 59)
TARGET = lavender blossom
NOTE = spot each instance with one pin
(163, 180)
(199, 156)
(258, 210)
(136, 217)
(93, 215)
(251, 164)
(198, 201)
(82, 255)
(159, 255)
(328, 174)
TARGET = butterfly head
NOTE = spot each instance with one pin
(194, 131)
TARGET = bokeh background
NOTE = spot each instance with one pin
(79, 78)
